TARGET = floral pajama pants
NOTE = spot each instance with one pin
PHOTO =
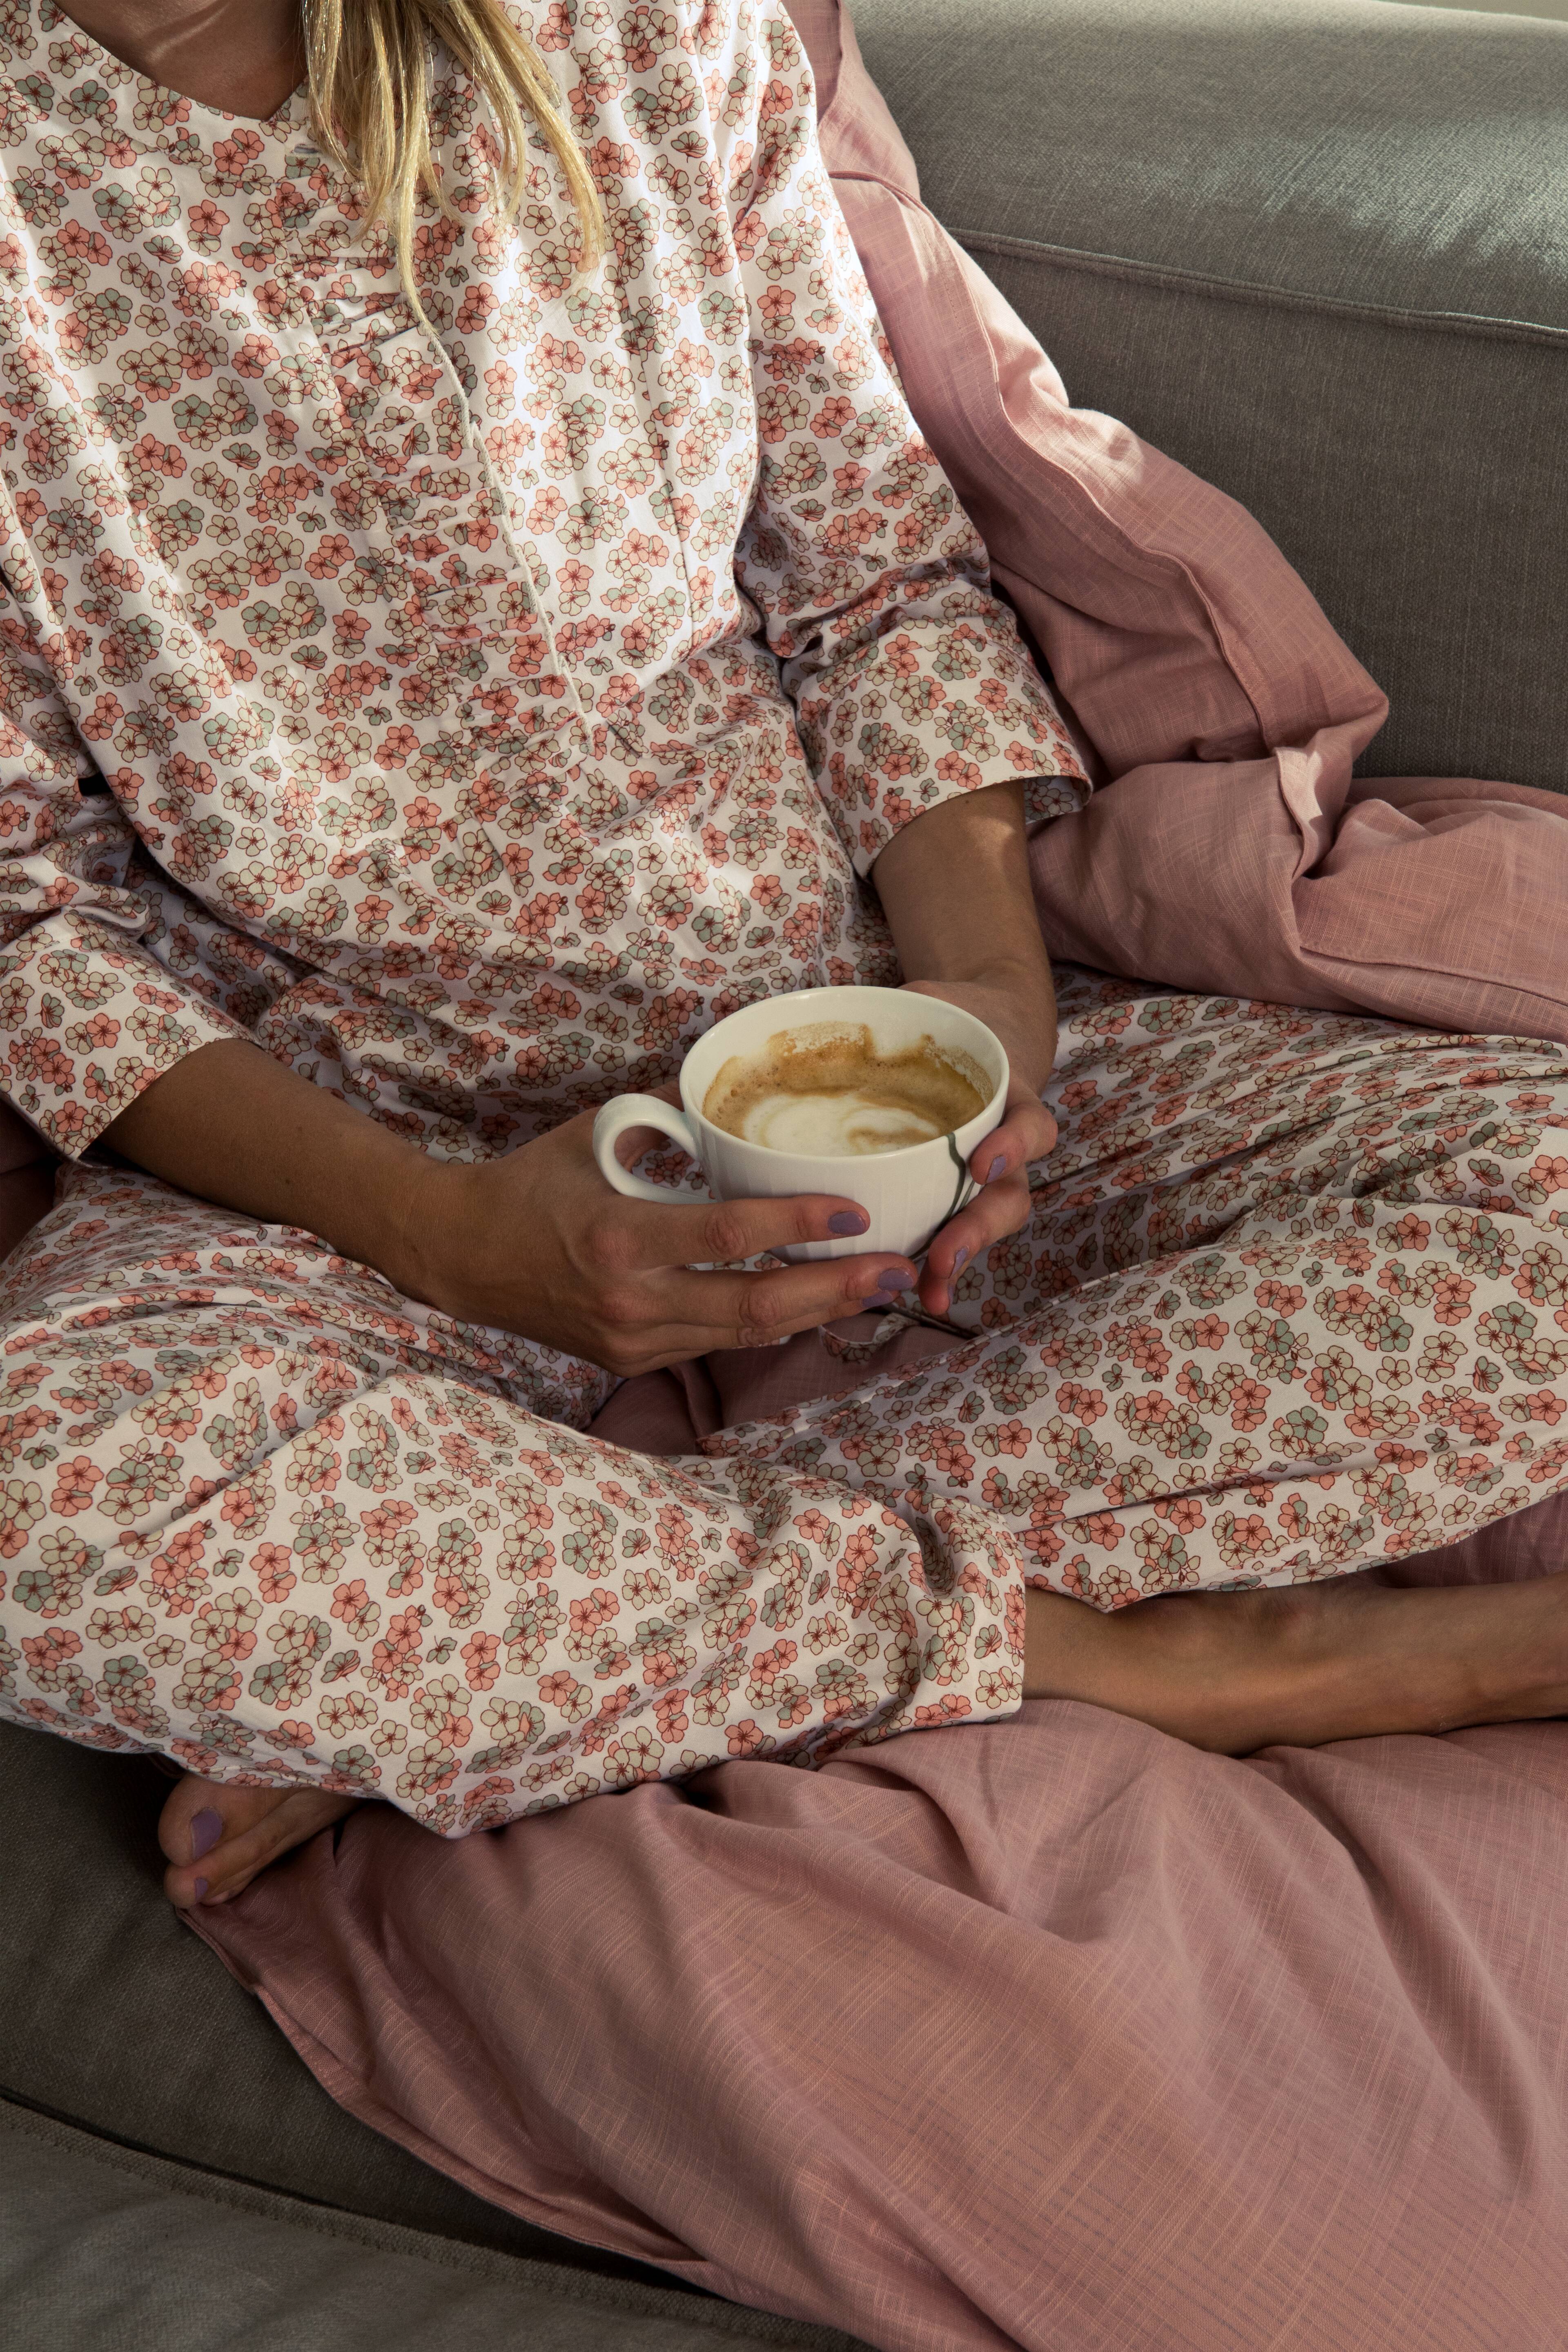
(1294, 1300)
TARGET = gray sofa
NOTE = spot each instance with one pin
(1316, 250)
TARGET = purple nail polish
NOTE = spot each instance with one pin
(201, 1889)
(995, 1168)
(880, 1298)
(844, 1222)
(206, 1828)
(957, 1264)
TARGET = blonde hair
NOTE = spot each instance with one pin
(370, 83)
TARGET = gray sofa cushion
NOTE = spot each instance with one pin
(105, 2248)
(1318, 251)
(118, 2025)
(117, 2022)
(115, 2017)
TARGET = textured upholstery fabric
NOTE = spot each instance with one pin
(1316, 254)
(103, 2246)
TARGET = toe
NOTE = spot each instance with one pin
(199, 1814)
(292, 1816)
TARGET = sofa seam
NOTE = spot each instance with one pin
(1473, 324)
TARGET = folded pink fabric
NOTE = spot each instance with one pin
(1229, 851)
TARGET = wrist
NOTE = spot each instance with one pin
(428, 1223)
(1016, 998)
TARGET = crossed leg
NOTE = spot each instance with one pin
(1289, 1307)
(1230, 1672)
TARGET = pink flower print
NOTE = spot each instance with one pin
(481, 1656)
(74, 1483)
(177, 1574)
(951, 1707)
(394, 1656)
(1248, 1405)
(670, 1717)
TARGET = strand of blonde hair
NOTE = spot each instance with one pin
(370, 85)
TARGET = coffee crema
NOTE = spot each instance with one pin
(826, 1092)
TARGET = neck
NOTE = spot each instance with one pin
(244, 55)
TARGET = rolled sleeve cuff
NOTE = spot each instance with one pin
(955, 717)
(88, 1020)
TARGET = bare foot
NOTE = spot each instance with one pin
(1345, 1659)
(217, 1837)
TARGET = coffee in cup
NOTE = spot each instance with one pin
(904, 1085)
(828, 1089)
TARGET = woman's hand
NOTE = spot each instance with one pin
(536, 1243)
(1025, 1019)
(539, 1244)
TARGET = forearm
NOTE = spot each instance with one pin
(954, 886)
(232, 1125)
(533, 1242)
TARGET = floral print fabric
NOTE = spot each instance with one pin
(1294, 1300)
(472, 713)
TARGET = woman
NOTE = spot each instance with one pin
(475, 615)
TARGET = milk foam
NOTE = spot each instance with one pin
(834, 1127)
(824, 1092)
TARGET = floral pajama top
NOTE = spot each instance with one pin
(473, 712)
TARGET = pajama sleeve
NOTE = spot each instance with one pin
(909, 677)
(88, 1016)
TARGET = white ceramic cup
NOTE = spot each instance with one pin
(908, 1194)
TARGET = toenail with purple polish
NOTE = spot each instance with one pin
(958, 1266)
(995, 1168)
(881, 1298)
(844, 1222)
(201, 1888)
(206, 1828)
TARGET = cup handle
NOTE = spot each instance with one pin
(640, 1110)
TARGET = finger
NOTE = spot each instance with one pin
(750, 1310)
(998, 1209)
(637, 1235)
(1027, 1132)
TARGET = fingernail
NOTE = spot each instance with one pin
(844, 1222)
(995, 1168)
(206, 1828)
(881, 1298)
(201, 1888)
(957, 1264)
